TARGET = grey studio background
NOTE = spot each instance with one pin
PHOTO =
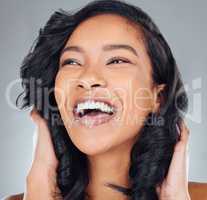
(183, 24)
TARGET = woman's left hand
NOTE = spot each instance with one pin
(175, 185)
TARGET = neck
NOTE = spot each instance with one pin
(110, 167)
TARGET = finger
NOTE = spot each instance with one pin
(182, 144)
(43, 150)
(158, 190)
(179, 164)
(184, 132)
(44, 141)
(42, 131)
(35, 116)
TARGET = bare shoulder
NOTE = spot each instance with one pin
(15, 197)
(197, 190)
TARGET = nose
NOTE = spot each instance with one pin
(90, 78)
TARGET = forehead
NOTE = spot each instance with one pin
(108, 28)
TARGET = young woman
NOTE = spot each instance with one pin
(109, 104)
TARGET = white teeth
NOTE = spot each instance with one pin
(94, 105)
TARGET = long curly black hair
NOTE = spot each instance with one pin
(153, 150)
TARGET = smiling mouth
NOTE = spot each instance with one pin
(91, 117)
(94, 118)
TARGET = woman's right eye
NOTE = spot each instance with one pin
(69, 62)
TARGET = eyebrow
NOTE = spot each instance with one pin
(107, 47)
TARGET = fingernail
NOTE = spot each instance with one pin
(178, 130)
(33, 114)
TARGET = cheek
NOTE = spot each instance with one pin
(137, 102)
(141, 93)
(59, 90)
(63, 85)
(62, 92)
(143, 99)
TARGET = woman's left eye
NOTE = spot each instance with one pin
(117, 61)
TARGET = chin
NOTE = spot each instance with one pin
(92, 148)
(91, 142)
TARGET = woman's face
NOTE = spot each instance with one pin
(108, 63)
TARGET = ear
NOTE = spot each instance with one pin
(158, 97)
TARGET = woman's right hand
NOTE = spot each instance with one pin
(41, 180)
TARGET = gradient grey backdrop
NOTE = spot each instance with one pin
(183, 23)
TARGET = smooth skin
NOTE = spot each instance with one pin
(41, 179)
(108, 153)
(123, 76)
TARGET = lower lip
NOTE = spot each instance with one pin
(92, 121)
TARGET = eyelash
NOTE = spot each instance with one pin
(115, 59)
(67, 62)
